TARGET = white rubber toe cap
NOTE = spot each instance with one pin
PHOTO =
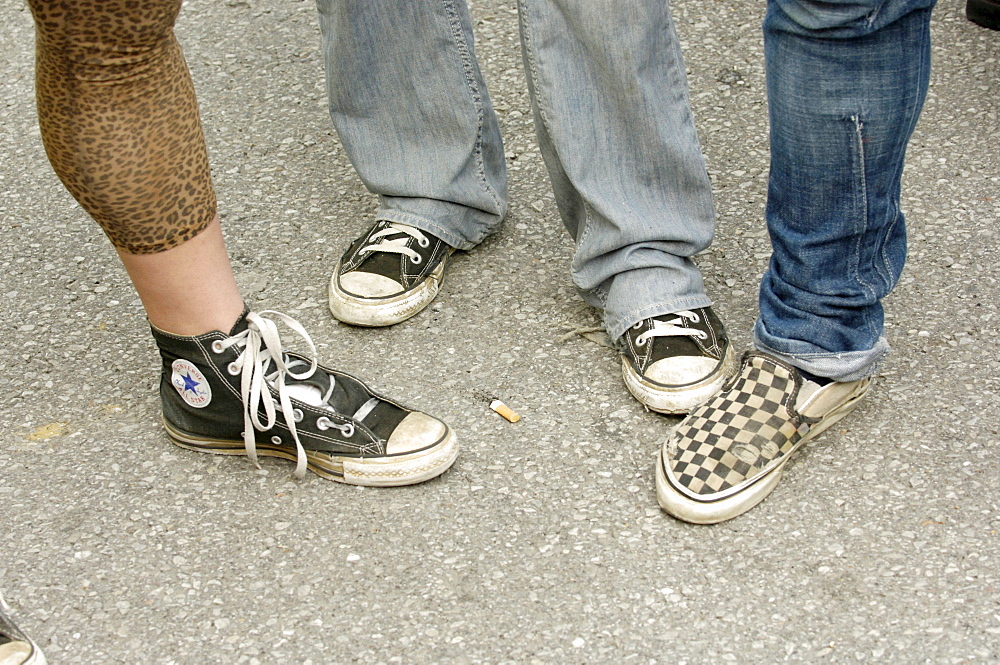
(369, 285)
(681, 370)
(416, 432)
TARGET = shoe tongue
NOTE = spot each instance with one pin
(386, 264)
(379, 416)
(305, 390)
(312, 390)
(671, 346)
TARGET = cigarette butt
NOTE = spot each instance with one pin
(504, 411)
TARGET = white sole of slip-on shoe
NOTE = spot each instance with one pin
(21, 649)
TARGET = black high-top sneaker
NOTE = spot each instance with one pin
(239, 393)
(16, 648)
(387, 275)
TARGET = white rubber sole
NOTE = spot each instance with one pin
(678, 400)
(392, 471)
(378, 312)
(683, 507)
(711, 512)
(16, 651)
(401, 469)
(17, 648)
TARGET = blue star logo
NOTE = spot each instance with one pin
(190, 384)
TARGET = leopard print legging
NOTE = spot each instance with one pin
(119, 119)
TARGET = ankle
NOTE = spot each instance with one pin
(192, 324)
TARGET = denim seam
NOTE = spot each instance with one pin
(856, 268)
(584, 233)
(465, 55)
(885, 269)
(532, 69)
(914, 115)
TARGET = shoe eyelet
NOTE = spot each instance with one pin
(347, 430)
(638, 326)
(297, 415)
(276, 440)
(694, 317)
(416, 260)
(217, 346)
(424, 242)
(233, 369)
(641, 340)
(323, 423)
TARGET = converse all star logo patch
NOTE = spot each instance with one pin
(191, 384)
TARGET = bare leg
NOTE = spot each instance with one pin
(187, 290)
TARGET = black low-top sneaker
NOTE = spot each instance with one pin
(387, 275)
(725, 457)
(16, 648)
(673, 363)
(240, 393)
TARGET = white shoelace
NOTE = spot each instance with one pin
(671, 328)
(262, 363)
(380, 242)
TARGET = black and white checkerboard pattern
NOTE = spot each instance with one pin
(733, 437)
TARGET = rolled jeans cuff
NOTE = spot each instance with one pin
(843, 366)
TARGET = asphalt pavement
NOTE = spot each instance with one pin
(544, 543)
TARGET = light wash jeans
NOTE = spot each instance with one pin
(610, 102)
(846, 81)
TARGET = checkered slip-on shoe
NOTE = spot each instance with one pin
(728, 455)
(241, 394)
(387, 275)
(675, 362)
(16, 648)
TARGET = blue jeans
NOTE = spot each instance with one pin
(609, 96)
(846, 80)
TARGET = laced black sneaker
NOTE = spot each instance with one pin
(673, 363)
(16, 648)
(387, 275)
(240, 393)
